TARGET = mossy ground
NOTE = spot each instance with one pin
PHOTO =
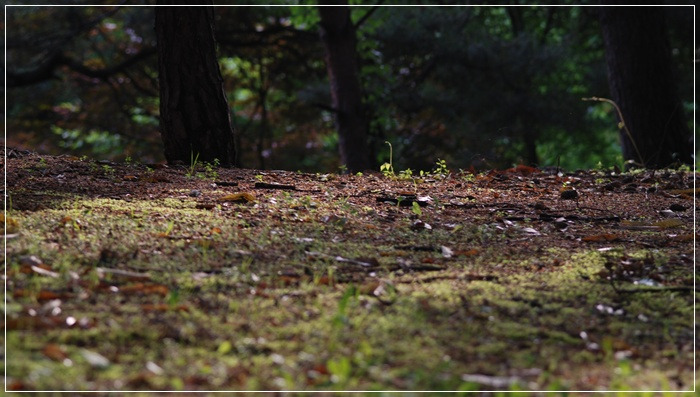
(145, 279)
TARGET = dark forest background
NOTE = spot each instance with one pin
(487, 87)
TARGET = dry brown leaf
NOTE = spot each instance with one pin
(685, 191)
(9, 225)
(523, 170)
(470, 252)
(42, 295)
(601, 237)
(144, 289)
(54, 352)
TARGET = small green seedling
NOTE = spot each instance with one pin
(416, 209)
(387, 169)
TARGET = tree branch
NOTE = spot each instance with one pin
(368, 14)
(45, 71)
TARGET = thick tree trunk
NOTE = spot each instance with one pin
(194, 114)
(642, 83)
(338, 36)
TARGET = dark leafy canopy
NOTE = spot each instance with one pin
(482, 86)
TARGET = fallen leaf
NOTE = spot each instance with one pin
(144, 289)
(685, 191)
(43, 271)
(42, 295)
(54, 352)
(496, 382)
(600, 237)
(523, 170)
(636, 225)
(530, 231)
(244, 197)
(470, 252)
(95, 359)
(9, 225)
(446, 252)
(16, 385)
(27, 322)
(668, 223)
(664, 224)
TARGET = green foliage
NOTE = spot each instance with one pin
(93, 141)
(415, 207)
(193, 164)
(209, 169)
(441, 168)
(476, 86)
(406, 174)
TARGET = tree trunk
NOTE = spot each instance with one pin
(642, 83)
(338, 36)
(194, 115)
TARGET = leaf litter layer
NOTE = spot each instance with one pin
(138, 277)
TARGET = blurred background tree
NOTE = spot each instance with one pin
(476, 86)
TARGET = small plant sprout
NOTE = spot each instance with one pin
(441, 168)
(210, 170)
(387, 169)
(259, 177)
(416, 209)
(406, 174)
(343, 169)
(193, 164)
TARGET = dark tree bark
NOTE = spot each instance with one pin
(641, 81)
(339, 40)
(194, 114)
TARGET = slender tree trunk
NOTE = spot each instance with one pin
(194, 113)
(641, 81)
(338, 36)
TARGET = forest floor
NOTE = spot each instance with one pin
(148, 277)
